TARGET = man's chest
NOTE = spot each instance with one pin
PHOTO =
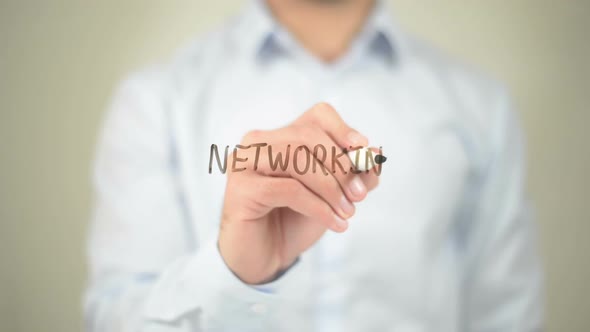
(423, 180)
(400, 239)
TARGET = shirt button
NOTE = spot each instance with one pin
(259, 308)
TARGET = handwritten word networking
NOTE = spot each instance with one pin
(303, 159)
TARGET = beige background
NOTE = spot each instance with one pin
(59, 61)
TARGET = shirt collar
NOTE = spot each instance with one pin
(383, 34)
(260, 33)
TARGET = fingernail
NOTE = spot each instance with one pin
(341, 224)
(346, 206)
(357, 187)
(356, 139)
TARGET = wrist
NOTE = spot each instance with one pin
(249, 269)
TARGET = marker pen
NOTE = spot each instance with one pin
(363, 159)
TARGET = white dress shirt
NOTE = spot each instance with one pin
(443, 244)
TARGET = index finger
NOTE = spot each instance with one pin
(324, 116)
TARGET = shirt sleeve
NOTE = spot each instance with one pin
(145, 274)
(504, 277)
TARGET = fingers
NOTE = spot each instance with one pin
(327, 181)
(370, 177)
(277, 192)
(307, 179)
(338, 165)
(327, 160)
(326, 118)
(370, 180)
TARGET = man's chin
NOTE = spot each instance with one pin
(329, 2)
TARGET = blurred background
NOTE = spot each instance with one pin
(60, 60)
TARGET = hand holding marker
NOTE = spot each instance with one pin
(271, 215)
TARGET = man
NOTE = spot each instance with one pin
(439, 241)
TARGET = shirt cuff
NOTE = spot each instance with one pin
(203, 283)
(273, 286)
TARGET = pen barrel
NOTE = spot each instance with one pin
(364, 159)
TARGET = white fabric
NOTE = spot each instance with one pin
(443, 244)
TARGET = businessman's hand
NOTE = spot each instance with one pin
(271, 216)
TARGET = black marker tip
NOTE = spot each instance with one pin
(380, 159)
